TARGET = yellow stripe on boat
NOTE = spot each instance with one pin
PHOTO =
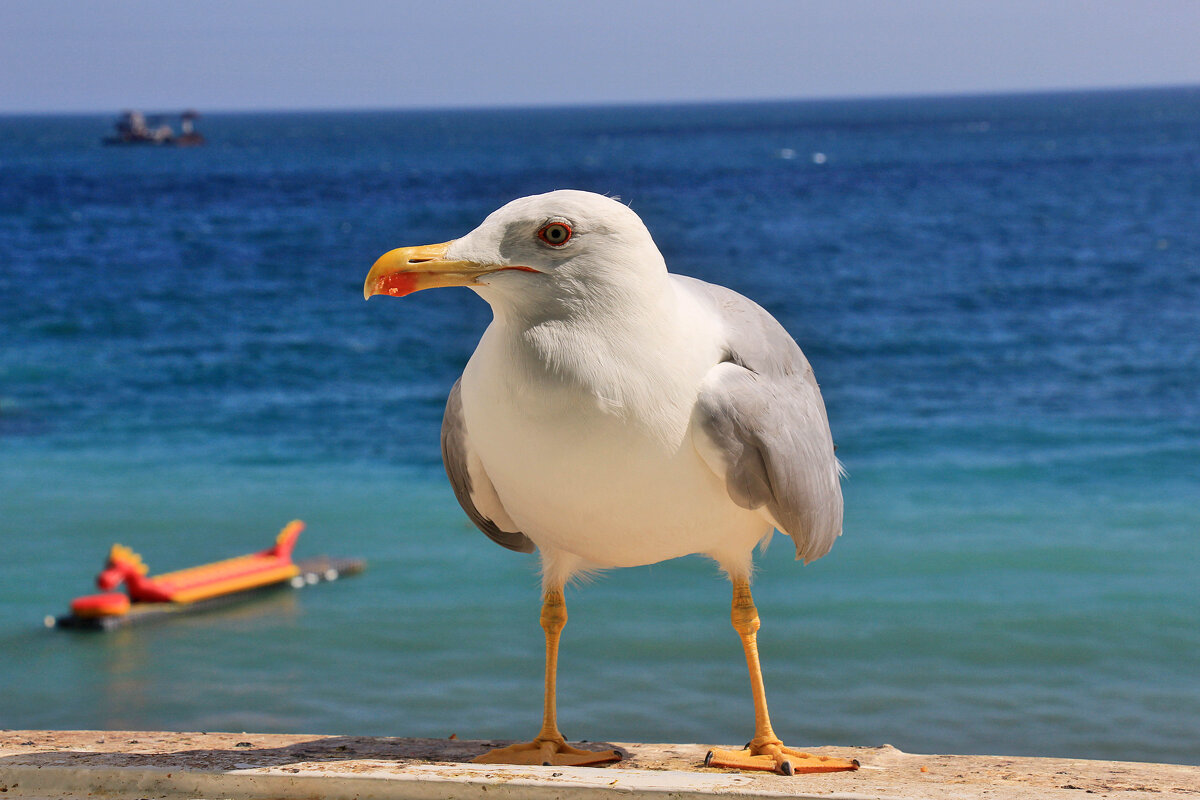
(236, 583)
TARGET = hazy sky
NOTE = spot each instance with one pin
(277, 54)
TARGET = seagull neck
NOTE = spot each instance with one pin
(640, 359)
(595, 304)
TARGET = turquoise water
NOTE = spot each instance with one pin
(999, 295)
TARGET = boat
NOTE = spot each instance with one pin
(134, 127)
(196, 588)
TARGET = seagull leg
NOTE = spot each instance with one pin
(550, 748)
(765, 751)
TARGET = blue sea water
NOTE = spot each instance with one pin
(1000, 296)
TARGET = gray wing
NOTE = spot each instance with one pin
(472, 486)
(760, 424)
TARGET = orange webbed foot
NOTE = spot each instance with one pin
(548, 753)
(772, 756)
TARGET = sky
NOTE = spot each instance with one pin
(161, 55)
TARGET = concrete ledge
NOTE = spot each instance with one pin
(99, 764)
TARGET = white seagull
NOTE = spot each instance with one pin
(615, 415)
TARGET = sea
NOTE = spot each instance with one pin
(1000, 296)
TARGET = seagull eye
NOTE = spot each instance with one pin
(555, 234)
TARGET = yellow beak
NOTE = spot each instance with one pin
(410, 269)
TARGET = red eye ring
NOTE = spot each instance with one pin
(555, 234)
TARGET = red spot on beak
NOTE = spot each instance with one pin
(397, 284)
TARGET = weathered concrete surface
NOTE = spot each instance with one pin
(98, 764)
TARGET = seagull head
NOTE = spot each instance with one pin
(561, 247)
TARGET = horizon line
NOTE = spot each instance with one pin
(621, 104)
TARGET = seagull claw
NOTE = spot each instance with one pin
(774, 757)
(548, 753)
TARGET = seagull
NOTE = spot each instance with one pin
(615, 415)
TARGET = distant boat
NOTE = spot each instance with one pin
(134, 127)
(197, 588)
